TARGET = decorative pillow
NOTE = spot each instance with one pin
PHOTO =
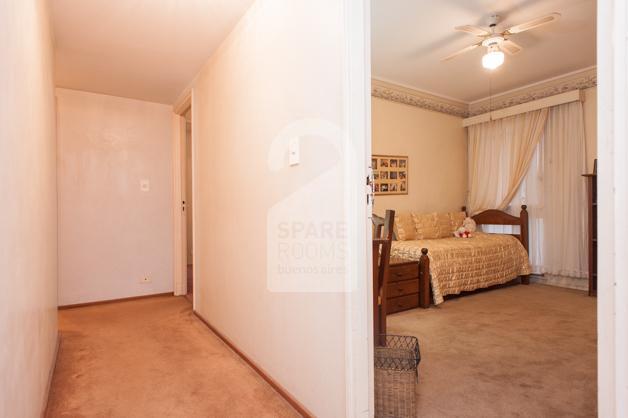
(404, 227)
(426, 225)
(457, 218)
(443, 223)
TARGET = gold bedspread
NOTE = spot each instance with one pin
(462, 264)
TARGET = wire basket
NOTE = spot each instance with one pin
(396, 376)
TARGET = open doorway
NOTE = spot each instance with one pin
(452, 88)
(183, 198)
(187, 205)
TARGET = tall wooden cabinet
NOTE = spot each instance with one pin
(592, 207)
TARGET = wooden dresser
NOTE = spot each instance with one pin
(403, 285)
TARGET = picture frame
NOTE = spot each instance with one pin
(390, 174)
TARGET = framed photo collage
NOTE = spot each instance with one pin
(390, 174)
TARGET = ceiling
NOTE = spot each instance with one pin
(410, 37)
(142, 49)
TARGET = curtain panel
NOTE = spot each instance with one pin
(500, 153)
(552, 187)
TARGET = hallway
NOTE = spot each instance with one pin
(152, 357)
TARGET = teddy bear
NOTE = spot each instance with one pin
(467, 229)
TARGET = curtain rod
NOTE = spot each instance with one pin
(558, 99)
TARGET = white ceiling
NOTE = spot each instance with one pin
(142, 49)
(410, 37)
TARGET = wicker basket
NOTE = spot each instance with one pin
(396, 376)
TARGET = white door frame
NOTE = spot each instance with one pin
(612, 136)
(357, 153)
(179, 128)
(612, 45)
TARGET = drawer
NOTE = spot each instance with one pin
(403, 272)
(402, 303)
(402, 288)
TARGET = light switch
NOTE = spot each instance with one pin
(144, 185)
(294, 152)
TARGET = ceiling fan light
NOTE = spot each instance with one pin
(493, 59)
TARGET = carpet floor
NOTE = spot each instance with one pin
(152, 358)
(518, 351)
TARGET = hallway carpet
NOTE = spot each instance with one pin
(519, 351)
(152, 358)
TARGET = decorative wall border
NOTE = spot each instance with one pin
(582, 79)
(400, 94)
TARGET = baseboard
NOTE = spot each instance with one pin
(55, 358)
(561, 281)
(272, 382)
(102, 302)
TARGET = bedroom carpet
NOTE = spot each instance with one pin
(152, 358)
(518, 351)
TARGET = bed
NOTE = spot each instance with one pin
(455, 265)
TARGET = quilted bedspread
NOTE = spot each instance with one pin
(462, 264)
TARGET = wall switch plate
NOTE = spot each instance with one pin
(294, 153)
(145, 185)
(145, 280)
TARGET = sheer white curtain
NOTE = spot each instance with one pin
(555, 193)
(500, 153)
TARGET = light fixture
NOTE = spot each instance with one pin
(493, 58)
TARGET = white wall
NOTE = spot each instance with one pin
(612, 306)
(283, 63)
(111, 233)
(28, 219)
(436, 144)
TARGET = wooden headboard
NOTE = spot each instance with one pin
(497, 217)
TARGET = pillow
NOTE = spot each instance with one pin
(443, 223)
(425, 225)
(404, 227)
(457, 219)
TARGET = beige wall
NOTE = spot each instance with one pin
(111, 233)
(590, 125)
(28, 221)
(277, 67)
(436, 145)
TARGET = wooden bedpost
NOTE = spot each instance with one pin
(523, 216)
(424, 279)
(464, 209)
(524, 227)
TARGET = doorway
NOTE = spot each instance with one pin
(402, 109)
(182, 197)
(187, 206)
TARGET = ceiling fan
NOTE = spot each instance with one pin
(496, 42)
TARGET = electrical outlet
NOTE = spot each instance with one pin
(145, 280)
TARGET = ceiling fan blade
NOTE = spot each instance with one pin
(510, 47)
(462, 51)
(534, 23)
(473, 30)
